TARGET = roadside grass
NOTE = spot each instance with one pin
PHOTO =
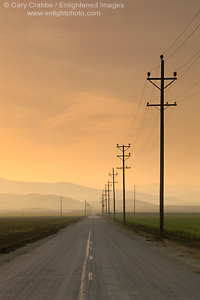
(16, 232)
(177, 224)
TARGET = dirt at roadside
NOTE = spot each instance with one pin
(184, 251)
(18, 232)
(28, 247)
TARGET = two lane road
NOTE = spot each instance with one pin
(96, 260)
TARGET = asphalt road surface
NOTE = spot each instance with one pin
(96, 260)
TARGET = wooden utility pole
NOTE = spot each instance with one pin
(108, 198)
(113, 175)
(106, 201)
(135, 187)
(61, 206)
(102, 201)
(124, 157)
(162, 106)
(86, 204)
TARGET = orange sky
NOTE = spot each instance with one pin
(71, 88)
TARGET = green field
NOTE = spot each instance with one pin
(178, 224)
(16, 232)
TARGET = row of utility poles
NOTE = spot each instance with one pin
(106, 192)
(61, 210)
(162, 106)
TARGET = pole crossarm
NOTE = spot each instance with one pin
(121, 168)
(166, 78)
(166, 104)
(124, 157)
(123, 148)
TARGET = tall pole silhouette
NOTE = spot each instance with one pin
(108, 198)
(61, 206)
(135, 187)
(113, 175)
(106, 201)
(102, 201)
(124, 157)
(162, 106)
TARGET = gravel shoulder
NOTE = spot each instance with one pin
(183, 252)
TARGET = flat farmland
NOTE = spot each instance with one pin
(183, 227)
(16, 232)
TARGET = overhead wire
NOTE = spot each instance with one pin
(156, 141)
(189, 96)
(137, 111)
(188, 61)
(189, 67)
(144, 115)
(148, 139)
(188, 91)
(182, 33)
(183, 42)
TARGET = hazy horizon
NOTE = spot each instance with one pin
(174, 194)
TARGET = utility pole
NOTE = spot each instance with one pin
(124, 157)
(106, 201)
(135, 187)
(162, 106)
(102, 201)
(108, 191)
(86, 204)
(61, 206)
(113, 175)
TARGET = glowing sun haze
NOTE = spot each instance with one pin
(71, 88)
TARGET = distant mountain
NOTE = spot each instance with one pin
(66, 189)
(36, 202)
(188, 194)
(181, 195)
(50, 204)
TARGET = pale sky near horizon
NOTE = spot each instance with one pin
(71, 88)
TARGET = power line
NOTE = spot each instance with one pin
(137, 111)
(156, 141)
(150, 151)
(188, 61)
(183, 42)
(148, 139)
(141, 126)
(189, 96)
(179, 38)
(182, 32)
(144, 115)
(189, 67)
(188, 91)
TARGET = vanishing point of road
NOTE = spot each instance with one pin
(95, 259)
